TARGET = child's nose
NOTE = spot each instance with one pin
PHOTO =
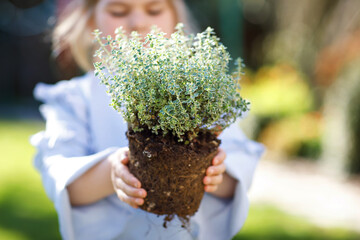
(138, 22)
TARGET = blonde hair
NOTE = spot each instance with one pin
(73, 30)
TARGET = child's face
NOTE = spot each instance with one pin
(134, 15)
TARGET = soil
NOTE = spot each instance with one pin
(170, 171)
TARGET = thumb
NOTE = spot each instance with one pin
(124, 159)
(122, 155)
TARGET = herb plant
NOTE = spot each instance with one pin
(178, 85)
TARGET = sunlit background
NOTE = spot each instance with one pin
(302, 77)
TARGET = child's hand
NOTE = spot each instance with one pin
(214, 173)
(126, 185)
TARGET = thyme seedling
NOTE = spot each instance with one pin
(178, 85)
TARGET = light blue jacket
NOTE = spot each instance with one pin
(82, 129)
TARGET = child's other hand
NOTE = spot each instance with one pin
(126, 185)
(214, 173)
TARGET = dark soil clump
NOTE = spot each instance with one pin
(170, 171)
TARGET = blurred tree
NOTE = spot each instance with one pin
(297, 37)
(341, 113)
(231, 26)
(338, 72)
(258, 22)
(24, 61)
(225, 17)
(322, 39)
(354, 123)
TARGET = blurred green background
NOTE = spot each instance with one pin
(302, 77)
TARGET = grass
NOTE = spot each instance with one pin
(266, 222)
(27, 213)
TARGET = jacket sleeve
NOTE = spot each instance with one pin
(223, 218)
(64, 150)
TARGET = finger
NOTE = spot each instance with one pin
(124, 160)
(214, 180)
(123, 154)
(211, 188)
(218, 130)
(217, 133)
(215, 170)
(134, 202)
(219, 158)
(120, 155)
(129, 190)
(123, 172)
